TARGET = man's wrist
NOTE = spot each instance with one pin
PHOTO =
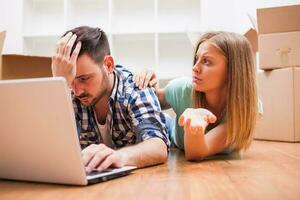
(124, 158)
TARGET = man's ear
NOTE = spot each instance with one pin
(109, 64)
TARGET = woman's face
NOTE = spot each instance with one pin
(210, 69)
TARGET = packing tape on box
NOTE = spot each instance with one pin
(284, 56)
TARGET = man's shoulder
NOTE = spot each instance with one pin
(123, 73)
(126, 84)
(127, 89)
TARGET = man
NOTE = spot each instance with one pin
(118, 124)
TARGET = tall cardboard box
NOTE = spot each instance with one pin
(279, 37)
(279, 91)
(14, 66)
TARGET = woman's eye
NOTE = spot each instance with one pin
(206, 61)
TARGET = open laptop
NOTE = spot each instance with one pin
(38, 135)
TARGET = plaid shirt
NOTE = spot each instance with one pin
(134, 115)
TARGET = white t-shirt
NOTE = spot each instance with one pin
(105, 134)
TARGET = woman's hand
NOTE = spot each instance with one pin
(196, 120)
(146, 78)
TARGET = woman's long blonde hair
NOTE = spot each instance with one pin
(241, 100)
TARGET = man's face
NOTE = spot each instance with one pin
(91, 81)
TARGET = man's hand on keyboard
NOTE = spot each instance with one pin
(100, 157)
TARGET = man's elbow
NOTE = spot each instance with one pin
(161, 152)
(164, 155)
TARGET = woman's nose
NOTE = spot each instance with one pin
(197, 68)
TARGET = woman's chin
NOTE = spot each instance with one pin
(197, 87)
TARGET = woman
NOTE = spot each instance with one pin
(217, 108)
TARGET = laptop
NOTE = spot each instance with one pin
(38, 134)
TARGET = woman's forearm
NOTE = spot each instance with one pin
(195, 146)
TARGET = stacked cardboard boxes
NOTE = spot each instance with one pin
(279, 83)
(14, 66)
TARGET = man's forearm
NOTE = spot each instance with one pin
(149, 152)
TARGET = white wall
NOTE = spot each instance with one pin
(10, 20)
(231, 15)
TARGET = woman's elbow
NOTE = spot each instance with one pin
(194, 156)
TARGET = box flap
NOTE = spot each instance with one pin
(24, 55)
(278, 19)
(252, 37)
(2, 38)
(252, 20)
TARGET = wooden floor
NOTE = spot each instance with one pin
(269, 170)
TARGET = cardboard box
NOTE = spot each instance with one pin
(22, 66)
(279, 91)
(278, 19)
(279, 50)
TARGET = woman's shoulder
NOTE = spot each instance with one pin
(181, 80)
(180, 84)
(178, 92)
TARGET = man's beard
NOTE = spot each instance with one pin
(101, 92)
(95, 100)
(99, 96)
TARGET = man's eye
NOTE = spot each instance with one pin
(84, 78)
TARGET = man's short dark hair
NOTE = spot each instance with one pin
(94, 42)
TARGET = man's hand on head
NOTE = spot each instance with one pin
(63, 62)
(100, 157)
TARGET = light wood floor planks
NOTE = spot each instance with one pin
(268, 170)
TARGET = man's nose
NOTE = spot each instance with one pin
(77, 89)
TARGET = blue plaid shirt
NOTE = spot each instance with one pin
(134, 115)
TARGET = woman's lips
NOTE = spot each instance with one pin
(196, 79)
